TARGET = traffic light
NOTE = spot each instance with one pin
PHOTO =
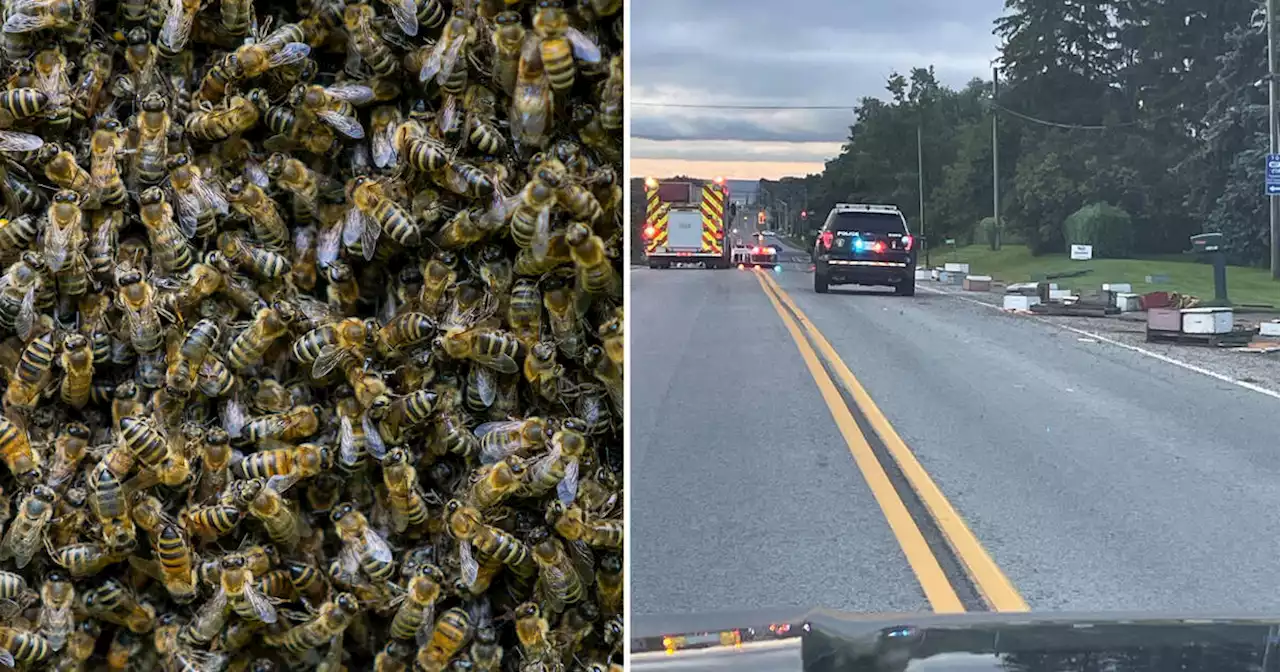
(804, 214)
(760, 217)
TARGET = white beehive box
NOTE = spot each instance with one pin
(924, 274)
(1207, 320)
(1020, 301)
(1117, 287)
(957, 268)
(1127, 302)
(1269, 328)
(1059, 294)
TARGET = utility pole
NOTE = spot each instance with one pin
(920, 172)
(1273, 92)
(995, 157)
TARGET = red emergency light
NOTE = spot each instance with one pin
(907, 242)
(827, 236)
(878, 247)
(650, 232)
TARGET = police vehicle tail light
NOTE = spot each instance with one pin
(826, 239)
(907, 242)
(877, 247)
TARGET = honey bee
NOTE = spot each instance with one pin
(508, 40)
(198, 200)
(534, 632)
(269, 325)
(407, 503)
(328, 346)
(334, 618)
(57, 621)
(136, 299)
(29, 16)
(174, 563)
(333, 105)
(293, 464)
(493, 483)
(492, 348)
(416, 614)
(499, 440)
(366, 45)
(452, 631)
(179, 16)
(33, 373)
(566, 326)
(265, 503)
(236, 114)
(362, 546)
(70, 448)
(22, 646)
(531, 217)
(405, 331)
(559, 582)
(372, 213)
(19, 287)
(168, 243)
(467, 525)
(572, 523)
(531, 101)
(447, 62)
(238, 592)
(260, 261)
(560, 44)
(112, 602)
(384, 123)
(296, 178)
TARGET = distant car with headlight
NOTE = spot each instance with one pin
(762, 253)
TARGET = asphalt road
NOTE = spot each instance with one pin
(1096, 478)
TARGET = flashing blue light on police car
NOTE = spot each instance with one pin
(858, 244)
(777, 269)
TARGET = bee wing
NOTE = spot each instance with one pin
(12, 141)
(348, 126)
(57, 245)
(234, 418)
(583, 48)
(353, 225)
(27, 313)
(254, 172)
(502, 363)
(498, 426)
(467, 563)
(449, 112)
(347, 454)
(187, 205)
(26, 23)
(328, 244)
(348, 559)
(584, 561)
(261, 607)
(373, 437)
(356, 94)
(293, 52)
(423, 634)
(449, 59)
(328, 360)
(369, 237)
(177, 25)
(282, 482)
(212, 615)
(211, 191)
(431, 67)
(200, 661)
(405, 13)
(567, 488)
(541, 240)
(6, 658)
(384, 148)
(486, 386)
(376, 546)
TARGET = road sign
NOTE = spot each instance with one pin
(1273, 175)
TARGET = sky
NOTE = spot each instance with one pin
(782, 52)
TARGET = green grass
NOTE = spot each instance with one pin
(1014, 263)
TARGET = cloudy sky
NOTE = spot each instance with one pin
(782, 52)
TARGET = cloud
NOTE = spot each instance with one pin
(802, 52)
(728, 150)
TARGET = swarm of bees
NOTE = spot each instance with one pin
(311, 335)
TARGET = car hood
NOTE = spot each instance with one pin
(822, 640)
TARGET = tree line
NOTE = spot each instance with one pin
(1155, 107)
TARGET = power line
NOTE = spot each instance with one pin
(742, 107)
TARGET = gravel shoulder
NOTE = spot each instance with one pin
(1256, 368)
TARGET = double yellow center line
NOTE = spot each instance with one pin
(991, 583)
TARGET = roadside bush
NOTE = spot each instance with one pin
(1104, 226)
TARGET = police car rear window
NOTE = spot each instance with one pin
(867, 222)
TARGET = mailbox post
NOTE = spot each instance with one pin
(1211, 244)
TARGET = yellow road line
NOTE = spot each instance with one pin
(996, 588)
(937, 589)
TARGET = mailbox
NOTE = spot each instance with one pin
(1206, 242)
(1211, 244)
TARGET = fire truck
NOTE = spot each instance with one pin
(685, 222)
